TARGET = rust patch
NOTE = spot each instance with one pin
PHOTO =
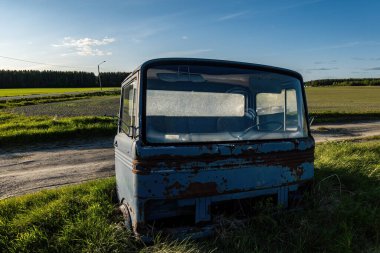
(297, 172)
(290, 159)
(247, 156)
(200, 189)
(194, 189)
(140, 172)
(138, 169)
(168, 190)
(129, 208)
(176, 186)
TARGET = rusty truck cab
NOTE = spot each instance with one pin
(198, 136)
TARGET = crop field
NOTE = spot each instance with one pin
(37, 91)
(344, 104)
(342, 214)
(343, 99)
(94, 106)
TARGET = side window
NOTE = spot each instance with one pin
(291, 110)
(128, 115)
(278, 110)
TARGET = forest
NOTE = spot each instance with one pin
(345, 82)
(58, 79)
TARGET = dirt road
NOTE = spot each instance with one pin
(28, 169)
(334, 132)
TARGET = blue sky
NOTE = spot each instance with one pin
(318, 38)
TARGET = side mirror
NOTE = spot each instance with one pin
(130, 130)
(311, 120)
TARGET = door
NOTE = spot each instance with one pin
(125, 140)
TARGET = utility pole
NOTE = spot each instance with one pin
(100, 80)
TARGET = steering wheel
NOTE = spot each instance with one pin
(250, 115)
(280, 125)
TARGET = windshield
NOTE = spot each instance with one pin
(213, 104)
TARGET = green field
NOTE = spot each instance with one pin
(343, 99)
(344, 104)
(36, 91)
(321, 100)
(342, 214)
(347, 99)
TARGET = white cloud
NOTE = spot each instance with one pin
(86, 46)
(184, 37)
(232, 15)
(146, 31)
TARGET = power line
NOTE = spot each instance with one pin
(41, 63)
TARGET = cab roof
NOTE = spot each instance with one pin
(215, 62)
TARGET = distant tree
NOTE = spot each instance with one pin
(345, 82)
(57, 79)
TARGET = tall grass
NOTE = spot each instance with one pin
(18, 129)
(63, 220)
(342, 214)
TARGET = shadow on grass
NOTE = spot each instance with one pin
(338, 117)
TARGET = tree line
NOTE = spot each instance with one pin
(58, 79)
(71, 79)
(345, 82)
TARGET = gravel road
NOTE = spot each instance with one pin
(28, 169)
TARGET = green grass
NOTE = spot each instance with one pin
(339, 216)
(18, 129)
(36, 91)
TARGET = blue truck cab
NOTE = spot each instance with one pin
(198, 137)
